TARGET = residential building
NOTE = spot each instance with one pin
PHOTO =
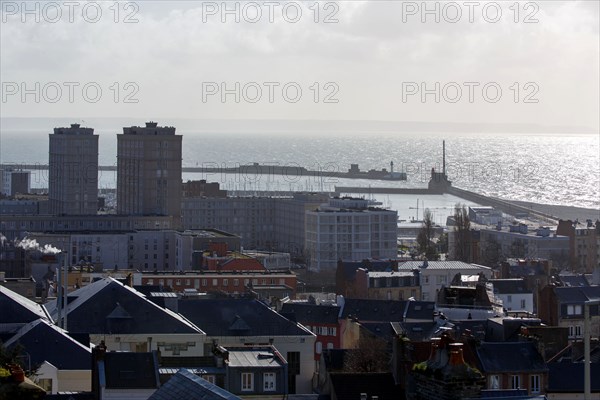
(63, 366)
(256, 372)
(202, 188)
(124, 375)
(18, 226)
(485, 215)
(235, 322)
(514, 294)
(149, 171)
(188, 386)
(584, 244)
(512, 365)
(322, 320)
(435, 274)
(349, 229)
(517, 241)
(392, 285)
(14, 181)
(125, 320)
(564, 306)
(264, 223)
(345, 274)
(73, 171)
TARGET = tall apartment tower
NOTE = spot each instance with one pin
(73, 171)
(149, 171)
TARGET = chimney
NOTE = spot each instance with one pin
(456, 354)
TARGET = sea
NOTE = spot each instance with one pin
(549, 168)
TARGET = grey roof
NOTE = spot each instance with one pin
(255, 358)
(185, 385)
(577, 294)
(441, 265)
(44, 341)
(390, 274)
(312, 313)
(510, 357)
(510, 286)
(573, 280)
(387, 310)
(16, 309)
(238, 317)
(108, 306)
(129, 370)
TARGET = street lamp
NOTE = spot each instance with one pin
(587, 389)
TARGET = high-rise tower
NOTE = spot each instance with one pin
(73, 171)
(149, 171)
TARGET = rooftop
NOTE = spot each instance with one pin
(441, 265)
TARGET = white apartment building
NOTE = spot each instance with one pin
(349, 229)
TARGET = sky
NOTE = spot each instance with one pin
(460, 62)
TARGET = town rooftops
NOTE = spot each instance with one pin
(577, 294)
(441, 265)
(44, 341)
(312, 313)
(509, 286)
(510, 357)
(186, 385)
(238, 317)
(17, 309)
(108, 306)
(573, 280)
(255, 357)
(387, 310)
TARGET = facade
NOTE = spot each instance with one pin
(73, 171)
(584, 244)
(518, 242)
(514, 294)
(392, 285)
(235, 322)
(14, 181)
(435, 274)
(256, 371)
(564, 307)
(264, 223)
(349, 229)
(149, 171)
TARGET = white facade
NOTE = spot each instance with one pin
(352, 234)
(517, 301)
(435, 274)
(539, 244)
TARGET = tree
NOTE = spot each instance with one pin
(371, 355)
(462, 233)
(426, 235)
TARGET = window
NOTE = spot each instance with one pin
(426, 279)
(523, 304)
(45, 384)
(535, 384)
(318, 347)
(494, 382)
(269, 382)
(204, 282)
(574, 310)
(331, 331)
(236, 282)
(214, 282)
(247, 381)
(509, 298)
(330, 345)
(225, 282)
(515, 381)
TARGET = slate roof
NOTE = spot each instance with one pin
(16, 309)
(567, 377)
(441, 265)
(312, 313)
(577, 294)
(367, 310)
(238, 317)
(349, 268)
(510, 286)
(108, 306)
(129, 370)
(510, 357)
(351, 385)
(420, 331)
(185, 385)
(382, 330)
(573, 280)
(254, 358)
(44, 341)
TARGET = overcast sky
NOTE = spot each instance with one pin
(373, 61)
